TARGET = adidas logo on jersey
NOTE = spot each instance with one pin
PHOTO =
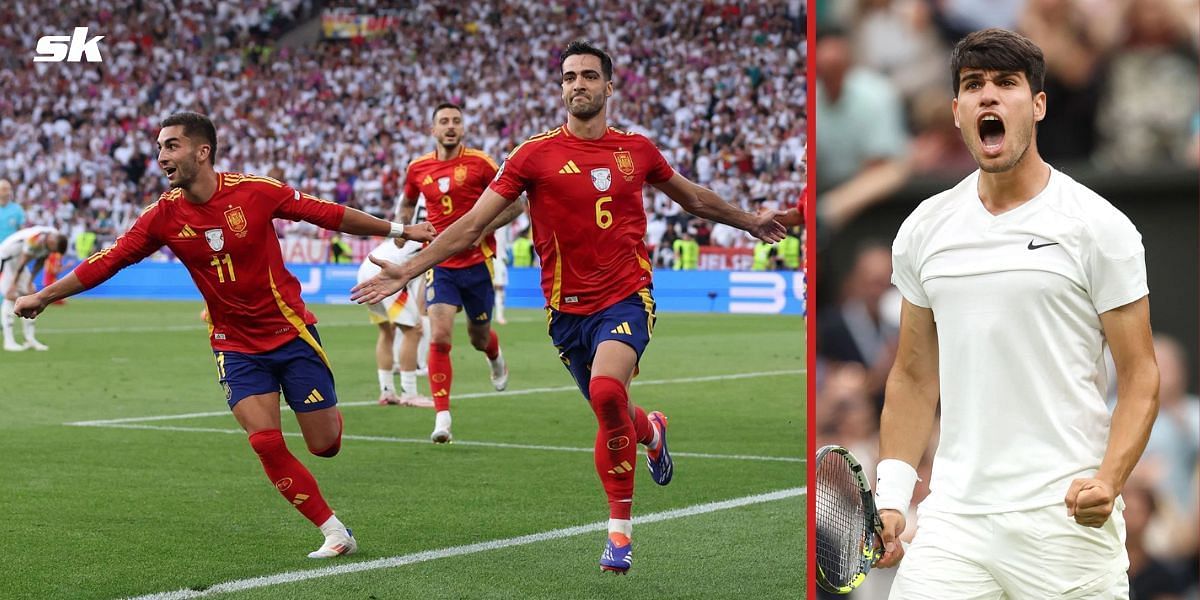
(623, 328)
(186, 232)
(569, 168)
(428, 180)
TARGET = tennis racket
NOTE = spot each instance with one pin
(848, 526)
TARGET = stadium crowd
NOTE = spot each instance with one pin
(718, 85)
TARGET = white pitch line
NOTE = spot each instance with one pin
(420, 557)
(200, 327)
(541, 390)
(398, 440)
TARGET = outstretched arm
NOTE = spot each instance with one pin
(357, 222)
(1127, 328)
(705, 203)
(909, 402)
(453, 240)
(32, 305)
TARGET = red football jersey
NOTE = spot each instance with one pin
(585, 202)
(451, 188)
(229, 247)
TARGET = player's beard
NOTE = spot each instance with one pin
(1020, 142)
(185, 174)
(586, 111)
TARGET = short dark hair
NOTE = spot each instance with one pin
(445, 105)
(195, 125)
(60, 244)
(584, 47)
(998, 49)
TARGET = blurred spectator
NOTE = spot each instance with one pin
(860, 133)
(1152, 91)
(1073, 45)
(1171, 452)
(12, 216)
(858, 329)
(1150, 577)
(687, 252)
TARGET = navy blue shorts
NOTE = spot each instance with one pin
(468, 287)
(577, 336)
(298, 368)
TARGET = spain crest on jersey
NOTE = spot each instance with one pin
(624, 162)
(601, 179)
(236, 219)
(443, 184)
(460, 175)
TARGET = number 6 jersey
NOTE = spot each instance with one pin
(230, 249)
(585, 202)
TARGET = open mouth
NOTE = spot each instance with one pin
(991, 133)
(170, 171)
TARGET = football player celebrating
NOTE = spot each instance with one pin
(263, 338)
(584, 183)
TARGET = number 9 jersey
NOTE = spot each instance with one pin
(451, 187)
(585, 202)
(231, 251)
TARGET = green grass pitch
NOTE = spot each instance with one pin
(147, 506)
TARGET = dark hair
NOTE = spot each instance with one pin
(195, 125)
(999, 50)
(583, 47)
(446, 105)
(60, 244)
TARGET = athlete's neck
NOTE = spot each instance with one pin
(202, 188)
(590, 129)
(1006, 190)
(444, 153)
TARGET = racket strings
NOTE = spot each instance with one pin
(841, 521)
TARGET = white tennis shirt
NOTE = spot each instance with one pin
(1016, 299)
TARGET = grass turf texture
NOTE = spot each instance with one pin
(101, 512)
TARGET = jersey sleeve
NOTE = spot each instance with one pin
(513, 178)
(660, 170)
(905, 273)
(298, 206)
(139, 242)
(411, 189)
(1114, 261)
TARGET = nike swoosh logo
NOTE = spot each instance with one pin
(1032, 246)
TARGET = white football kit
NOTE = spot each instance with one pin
(1016, 298)
(399, 308)
(28, 241)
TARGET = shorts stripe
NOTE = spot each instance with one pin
(648, 304)
(297, 322)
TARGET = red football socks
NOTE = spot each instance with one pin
(290, 476)
(336, 446)
(493, 347)
(616, 453)
(641, 423)
(440, 375)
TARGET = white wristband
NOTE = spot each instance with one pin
(894, 483)
(397, 231)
